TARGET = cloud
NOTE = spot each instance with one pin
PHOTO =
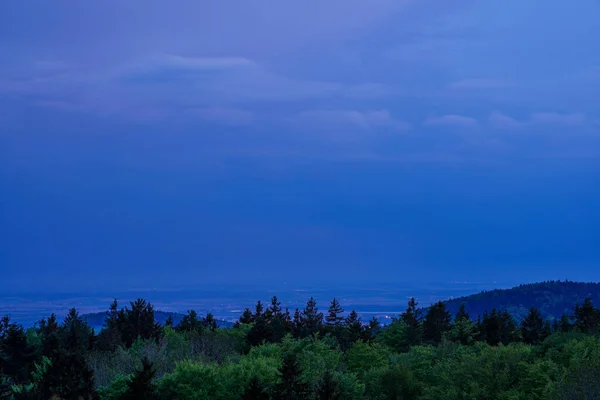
(480, 83)
(328, 119)
(452, 120)
(502, 121)
(552, 118)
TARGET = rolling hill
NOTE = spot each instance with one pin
(552, 298)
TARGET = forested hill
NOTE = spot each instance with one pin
(552, 298)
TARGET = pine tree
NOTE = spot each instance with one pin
(532, 327)
(112, 316)
(509, 331)
(297, 324)
(275, 307)
(17, 356)
(48, 332)
(464, 331)
(69, 375)
(437, 322)
(258, 309)
(334, 316)
(141, 386)
(353, 324)
(412, 320)
(546, 331)
(247, 317)
(372, 329)
(169, 321)
(190, 323)
(312, 319)
(587, 317)
(288, 324)
(490, 327)
(140, 323)
(564, 324)
(412, 315)
(260, 332)
(462, 313)
(209, 322)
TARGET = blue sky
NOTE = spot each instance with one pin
(149, 143)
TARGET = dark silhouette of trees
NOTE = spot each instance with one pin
(247, 317)
(437, 323)
(209, 322)
(499, 327)
(586, 316)
(141, 385)
(190, 323)
(311, 320)
(334, 315)
(16, 354)
(532, 327)
(412, 320)
(354, 325)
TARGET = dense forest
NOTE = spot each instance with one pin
(552, 298)
(276, 353)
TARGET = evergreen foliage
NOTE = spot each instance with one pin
(272, 355)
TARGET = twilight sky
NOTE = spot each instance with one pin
(153, 143)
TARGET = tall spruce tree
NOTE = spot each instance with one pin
(69, 376)
(247, 317)
(437, 323)
(209, 322)
(17, 356)
(372, 329)
(412, 321)
(510, 330)
(258, 310)
(461, 313)
(312, 319)
(297, 324)
(141, 323)
(190, 323)
(564, 324)
(354, 325)
(275, 307)
(532, 327)
(334, 316)
(587, 317)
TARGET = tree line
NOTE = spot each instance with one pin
(135, 357)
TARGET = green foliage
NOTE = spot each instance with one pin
(397, 382)
(194, 381)
(116, 389)
(270, 355)
(397, 336)
(362, 357)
